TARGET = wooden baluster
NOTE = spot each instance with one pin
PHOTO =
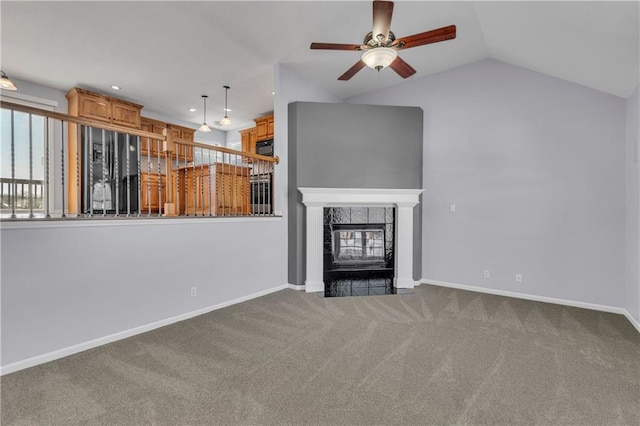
(169, 148)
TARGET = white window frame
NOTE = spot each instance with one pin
(48, 105)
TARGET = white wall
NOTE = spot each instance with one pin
(232, 140)
(66, 286)
(632, 290)
(43, 92)
(535, 166)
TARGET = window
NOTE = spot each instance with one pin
(25, 194)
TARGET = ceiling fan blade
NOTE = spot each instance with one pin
(428, 37)
(352, 71)
(382, 12)
(335, 46)
(403, 69)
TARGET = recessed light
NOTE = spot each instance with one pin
(273, 92)
(116, 87)
(192, 110)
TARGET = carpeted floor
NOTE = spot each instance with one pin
(439, 356)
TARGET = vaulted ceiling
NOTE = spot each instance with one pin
(165, 55)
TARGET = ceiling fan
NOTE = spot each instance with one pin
(381, 46)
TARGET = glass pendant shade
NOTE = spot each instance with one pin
(7, 84)
(225, 121)
(379, 58)
(204, 127)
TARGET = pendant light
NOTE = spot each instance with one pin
(204, 127)
(225, 120)
(5, 83)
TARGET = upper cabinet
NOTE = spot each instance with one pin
(264, 128)
(184, 133)
(248, 138)
(153, 148)
(86, 104)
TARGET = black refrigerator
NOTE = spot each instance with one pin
(109, 172)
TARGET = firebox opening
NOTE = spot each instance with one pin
(358, 251)
(358, 244)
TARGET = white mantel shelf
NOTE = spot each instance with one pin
(372, 197)
(315, 199)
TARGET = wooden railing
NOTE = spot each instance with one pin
(103, 170)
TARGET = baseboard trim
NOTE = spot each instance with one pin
(632, 320)
(566, 302)
(70, 350)
(296, 287)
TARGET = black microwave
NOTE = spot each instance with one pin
(265, 147)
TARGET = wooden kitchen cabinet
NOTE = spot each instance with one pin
(152, 192)
(270, 128)
(151, 147)
(221, 189)
(248, 139)
(184, 152)
(86, 104)
(264, 127)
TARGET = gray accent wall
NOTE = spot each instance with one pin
(289, 87)
(536, 168)
(350, 146)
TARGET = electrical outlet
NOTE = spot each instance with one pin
(194, 291)
(452, 208)
(487, 274)
(518, 278)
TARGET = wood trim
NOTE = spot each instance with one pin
(100, 95)
(77, 120)
(123, 129)
(275, 159)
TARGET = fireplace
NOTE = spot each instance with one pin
(358, 251)
(351, 247)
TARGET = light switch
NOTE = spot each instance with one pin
(452, 208)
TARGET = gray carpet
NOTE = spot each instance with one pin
(439, 356)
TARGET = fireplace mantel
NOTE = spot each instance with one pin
(315, 199)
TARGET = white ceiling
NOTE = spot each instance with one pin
(166, 55)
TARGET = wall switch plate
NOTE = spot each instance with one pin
(452, 208)
(518, 278)
(487, 274)
(194, 291)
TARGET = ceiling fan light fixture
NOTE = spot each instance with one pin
(225, 120)
(204, 127)
(7, 84)
(379, 58)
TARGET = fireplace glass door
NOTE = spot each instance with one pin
(358, 251)
(360, 245)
